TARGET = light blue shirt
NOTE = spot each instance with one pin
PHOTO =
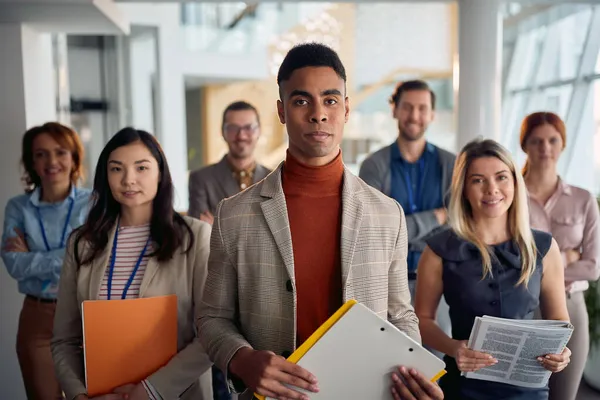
(37, 271)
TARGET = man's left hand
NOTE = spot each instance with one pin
(412, 385)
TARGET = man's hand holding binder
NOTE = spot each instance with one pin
(413, 385)
(265, 373)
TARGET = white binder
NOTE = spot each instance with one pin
(354, 353)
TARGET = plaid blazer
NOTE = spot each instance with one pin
(250, 299)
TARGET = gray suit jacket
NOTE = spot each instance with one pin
(211, 184)
(375, 170)
(250, 296)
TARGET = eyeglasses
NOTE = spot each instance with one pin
(233, 130)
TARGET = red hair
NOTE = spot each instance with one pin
(66, 137)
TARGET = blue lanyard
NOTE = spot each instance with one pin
(413, 200)
(113, 259)
(65, 227)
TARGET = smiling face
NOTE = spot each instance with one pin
(241, 132)
(314, 108)
(489, 187)
(133, 175)
(414, 113)
(52, 162)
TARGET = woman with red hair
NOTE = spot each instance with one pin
(570, 214)
(36, 227)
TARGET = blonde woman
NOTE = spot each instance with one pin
(570, 214)
(489, 263)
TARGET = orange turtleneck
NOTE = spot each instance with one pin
(314, 204)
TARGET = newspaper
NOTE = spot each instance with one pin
(516, 344)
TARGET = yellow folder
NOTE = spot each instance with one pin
(355, 345)
(125, 341)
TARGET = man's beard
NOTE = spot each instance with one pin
(244, 152)
(238, 155)
(411, 137)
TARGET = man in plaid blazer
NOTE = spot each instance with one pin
(257, 280)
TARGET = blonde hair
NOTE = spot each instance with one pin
(461, 215)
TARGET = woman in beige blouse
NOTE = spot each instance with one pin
(570, 214)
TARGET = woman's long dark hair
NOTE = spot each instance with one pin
(167, 227)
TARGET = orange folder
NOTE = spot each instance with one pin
(125, 341)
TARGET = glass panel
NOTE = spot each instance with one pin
(554, 99)
(596, 108)
(512, 117)
(507, 54)
(562, 53)
(239, 27)
(527, 52)
(577, 163)
(211, 14)
(573, 31)
(549, 62)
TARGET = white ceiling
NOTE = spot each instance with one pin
(98, 17)
(69, 16)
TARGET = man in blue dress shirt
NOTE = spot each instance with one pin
(415, 173)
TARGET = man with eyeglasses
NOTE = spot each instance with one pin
(237, 170)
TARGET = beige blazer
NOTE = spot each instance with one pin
(250, 297)
(188, 374)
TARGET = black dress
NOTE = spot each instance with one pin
(469, 296)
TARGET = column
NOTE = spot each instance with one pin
(168, 85)
(63, 94)
(28, 98)
(27, 84)
(480, 70)
(171, 130)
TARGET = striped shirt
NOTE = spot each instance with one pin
(130, 243)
